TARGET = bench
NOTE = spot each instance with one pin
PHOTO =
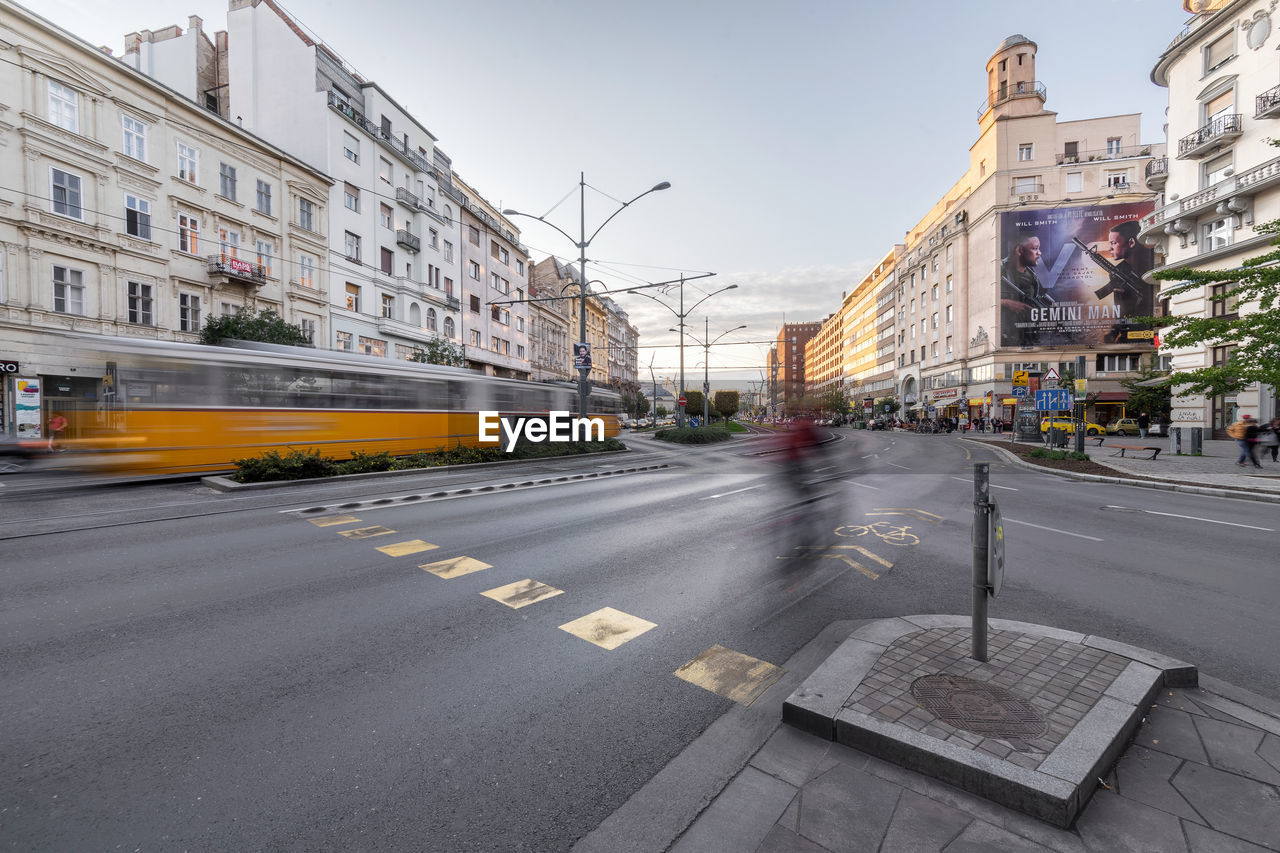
(1154, 451)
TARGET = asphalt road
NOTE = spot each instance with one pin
(192, 670)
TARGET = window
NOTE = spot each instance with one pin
(475, 304)
(353, 297)
(137, 217)
(306, 214)
(1118, 179)
(475, 337)
(384, 126)
(1217, 234)
(1219, 52)
(227, 181)
(495, 312)
(1225, 301)
(449, 331)
(344, 341)
(1215, 170)
(520, 351)
(473, 270)
(266, 250)
(473, 234)
(188, 163)
(384, 170)
(189, 234)
(495, 280)
(1029, 184)
(384, 216)
(431, 319)
(227, 309)
(948, 315)
(1025, 152)
(65, 193)
(519, 266)
(1220, 105)
(373, 346)
(387, 257)
(948, 284)
(351, 244)
(264, 197)
(229, 242)
(350, 150)
(134, 143)
(140, 304)
(388, 305)
(64, 107)
(1113, 146)
(433, 238)
(448, 251)
(933, 293)
(68, 290)
(1121, 363)
(933, 349)
(948, 345)
(351, 197)
(982, 168)
(1075, 182)
(913, 305)
(188, 312)
(308, 328)
(306, 271)
(495, 344)
(519, 323)
(933, 321)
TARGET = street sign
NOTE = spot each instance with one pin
(995, 549)
(1053, 400)
(1020, 391)
(1080, 387)
(1052, 375)
(1020, 378)
(683, 399)
(706, 387)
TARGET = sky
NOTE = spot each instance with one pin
(802, 140)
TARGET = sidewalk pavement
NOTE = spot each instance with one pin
(1198, 767)
(1215, 468)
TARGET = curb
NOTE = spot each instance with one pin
(224, 484)
(1122, 481)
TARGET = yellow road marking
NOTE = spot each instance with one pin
(365, 532)
(853, 564)
(864, 552)
(608, 628)
(455, 567)
(730, 674)
(413, 546)
(522, 593)
(330, 520)
(907, 510)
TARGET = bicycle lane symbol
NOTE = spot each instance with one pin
(886, 531)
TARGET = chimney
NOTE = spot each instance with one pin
(194, 22)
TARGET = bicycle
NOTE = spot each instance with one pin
(889, 533)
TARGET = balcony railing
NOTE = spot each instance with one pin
(373, 129)
(1211, 136)
(1113, 153)
(407, 198)
(412, 242)
(1008, 92)
(1268, 104)
(1157, 173)
(1026, 189)
(453, 303)
(237, 269)
(1248, 182)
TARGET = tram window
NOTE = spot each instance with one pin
(505, 398)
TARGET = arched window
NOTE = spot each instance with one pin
(448, 327)
(415, 314)
(431, 319)
(448, 215)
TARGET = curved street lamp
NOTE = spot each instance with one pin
(582, 245)
(680, 315)
(706, 359)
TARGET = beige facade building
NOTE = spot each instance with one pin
(1221, 179)
(549, 357)
(130, 210)
(614, 341)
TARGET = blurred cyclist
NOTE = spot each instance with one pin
(800, 449)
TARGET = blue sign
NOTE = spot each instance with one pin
(1021, 392)
(1053, 400)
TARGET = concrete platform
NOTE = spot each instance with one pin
(1034, 728)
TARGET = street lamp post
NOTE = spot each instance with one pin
(706, 362)
(582, 245)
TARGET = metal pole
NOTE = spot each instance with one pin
(981, 489)
(706, 368)
(582, 308)
(680, 391)
(1080, 426)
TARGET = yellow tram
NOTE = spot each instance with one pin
(166, 407)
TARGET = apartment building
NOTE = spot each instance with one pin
(393, 259)
(787, 365)
(549, 356)
(1221, 180)
(1007, 271)
(823, 354)
(129, 209)
(555, 322)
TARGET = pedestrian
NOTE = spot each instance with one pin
(1245, 432)
(1269, 439)
(1144, 421)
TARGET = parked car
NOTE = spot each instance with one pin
(1068, 425)
(1124, 426)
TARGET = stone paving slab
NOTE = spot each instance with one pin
(1032, 728)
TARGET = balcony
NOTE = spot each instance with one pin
(1247, 183)
(1268, 104)
(1211, 137)
(407, 198)
(359, 119)
(1034, 89)
(409, 241)
(1157, 173)
(230, 269)
(1114, 153)
(1025, 190)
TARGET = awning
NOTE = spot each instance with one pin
(1112, 396)
(1153, 383)
(917, 407)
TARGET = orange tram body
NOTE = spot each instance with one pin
(172, 408)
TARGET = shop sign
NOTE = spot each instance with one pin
(9, 367)
(947, 392)
(977, 401)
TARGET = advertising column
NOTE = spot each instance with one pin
(26, 414)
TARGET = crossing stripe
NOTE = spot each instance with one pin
(401, 549)
(455, 567)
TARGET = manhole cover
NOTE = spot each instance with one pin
(979, 708)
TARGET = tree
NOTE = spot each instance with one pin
(439, 351)
(1253, 333)
(635, 404)
(693, 404)
(726, 404)
(835, 400)
(661, 410)
(265, 326)
(892, 404)
(1154, 399)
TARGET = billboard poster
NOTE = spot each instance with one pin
(26, 415)
(1073, 276)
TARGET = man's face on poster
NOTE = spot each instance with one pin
(1119, 245)
(1029, 252)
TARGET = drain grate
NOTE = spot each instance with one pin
(979, 708)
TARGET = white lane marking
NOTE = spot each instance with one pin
(734, 492)
(823, 468)
(896, 465)
(992, 485)
(1052, 529)
(1191, 518)
(863, 485)
(872, 456)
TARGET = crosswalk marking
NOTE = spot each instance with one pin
(730, 674)
(522, 593)
(413, 546)
(455, 567)
(608, 628)
(365, 532)
(331, 520)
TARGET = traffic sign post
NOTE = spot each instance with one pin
(981, 557)
(1053, 400)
